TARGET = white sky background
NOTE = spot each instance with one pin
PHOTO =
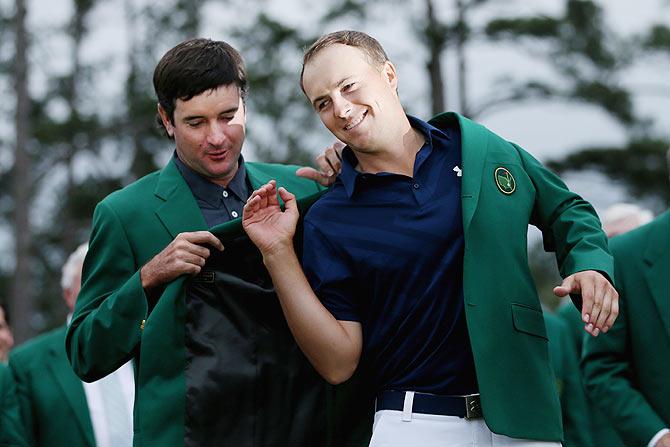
(548, 130)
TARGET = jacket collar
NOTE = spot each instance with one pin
(474, 146)
(71, 389)
(657, 257)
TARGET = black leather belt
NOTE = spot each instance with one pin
(462, 406)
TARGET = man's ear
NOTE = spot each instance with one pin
(390, 75)
(169, 128)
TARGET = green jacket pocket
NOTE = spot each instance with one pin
(528, 320)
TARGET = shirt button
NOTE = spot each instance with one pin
(416, 186)
(225, 193)
(234, 214)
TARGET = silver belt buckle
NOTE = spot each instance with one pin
(473, 408)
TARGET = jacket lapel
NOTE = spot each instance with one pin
(474, 145)
(657, 256)
(257, 177)
(72, 389)
(179, 212)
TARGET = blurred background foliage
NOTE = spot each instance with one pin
(65, 143)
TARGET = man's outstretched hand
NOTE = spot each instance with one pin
(270, 228)
(600, 301)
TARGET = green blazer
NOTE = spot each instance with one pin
(114, 321)
(502, 308)
(11, 428)
(602, 430)
(51, 397)
(627, 371)
(574, 406)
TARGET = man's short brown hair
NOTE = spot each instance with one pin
(368, 45)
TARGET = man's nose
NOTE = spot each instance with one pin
(216, 135)
(341, 108)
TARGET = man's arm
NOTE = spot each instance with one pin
(117, 293)
(332, 346)
(571, 228)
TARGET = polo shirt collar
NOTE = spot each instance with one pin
(208, 191)
(349, 175)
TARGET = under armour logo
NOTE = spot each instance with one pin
(458, 171)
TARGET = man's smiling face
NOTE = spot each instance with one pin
(353, 97)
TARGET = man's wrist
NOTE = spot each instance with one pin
(281, 251)
(145, 278)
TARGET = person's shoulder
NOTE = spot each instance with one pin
(636, 240)
(329, 206)
(473, 132)
(31, 350)
(142, 186)
(284, 174)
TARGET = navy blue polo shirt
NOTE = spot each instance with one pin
(386, 250)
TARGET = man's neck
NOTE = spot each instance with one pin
(392, 156)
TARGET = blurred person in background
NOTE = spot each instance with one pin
(57, 408)
(627, 373)
(575, 410)
(616, 219)
(6, 337)
(11, 427)
(622, 217)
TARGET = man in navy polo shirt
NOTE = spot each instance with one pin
(415, 265)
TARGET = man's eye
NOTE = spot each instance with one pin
(322, 105)
(348, 87)
(193, 123)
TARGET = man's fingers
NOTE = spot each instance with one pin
(288, 198)
(333, 160)
(614, 313)
(251, 206)
(201, 238)
(313, 174)
(272, 194)
(324, 165)
(605, 311)
(186, 260)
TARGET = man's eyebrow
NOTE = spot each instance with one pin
(225, 112)
(339, 84)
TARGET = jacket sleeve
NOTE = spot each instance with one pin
(111, 307)
(609, 379)
(569, 224)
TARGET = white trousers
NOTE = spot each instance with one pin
(429, 430)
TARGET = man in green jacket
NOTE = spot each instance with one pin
(172, 281)
(626, 373)
(57, 409)
(575, 413)
(420, 275)
(617, 219)
(11, 428)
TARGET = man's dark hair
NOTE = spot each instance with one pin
(3, 306)
(193, 67)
